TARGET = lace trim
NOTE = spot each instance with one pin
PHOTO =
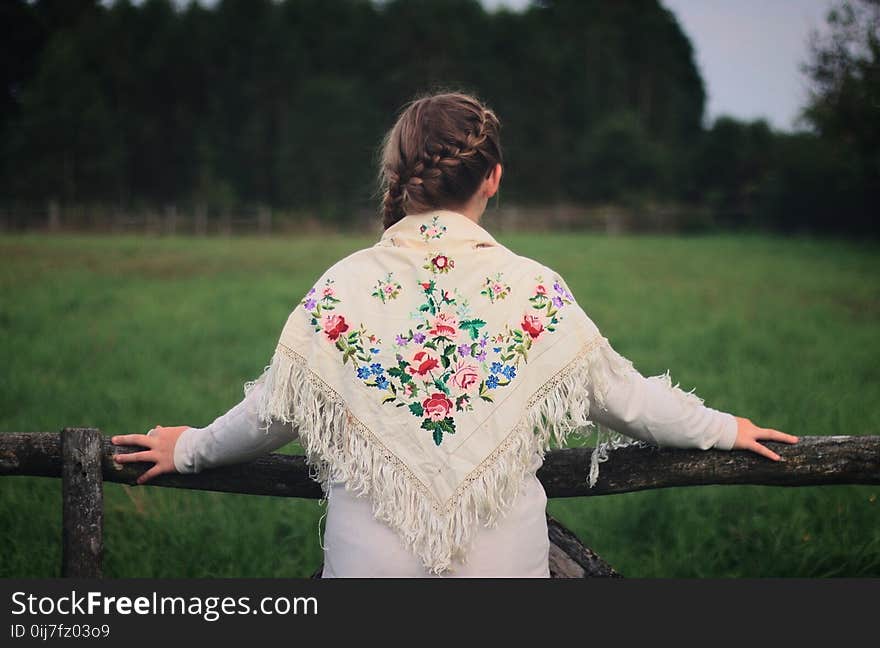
(361, 427)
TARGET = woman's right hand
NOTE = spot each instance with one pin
(159, 441)
(748, 434)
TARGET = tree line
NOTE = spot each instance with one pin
(283, 104)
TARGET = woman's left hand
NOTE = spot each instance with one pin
(159, 441)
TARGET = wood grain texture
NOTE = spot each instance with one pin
(82, 494)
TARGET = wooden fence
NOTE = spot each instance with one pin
(199, 220)
(83, 459)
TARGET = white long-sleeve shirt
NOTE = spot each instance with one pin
(356, 544)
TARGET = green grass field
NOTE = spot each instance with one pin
(123, 333)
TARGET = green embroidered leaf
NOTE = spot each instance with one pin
(440, 383)
(472, 326)
(447, 425)
(388, 398)
(397, 372)
(444, 360)
(417, 409)
(438, 436)
(449, 350)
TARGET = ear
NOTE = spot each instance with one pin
(493, 181)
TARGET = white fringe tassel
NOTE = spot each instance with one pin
(339, 447)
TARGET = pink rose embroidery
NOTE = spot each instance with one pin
(334, 325)
(437, 406)
(532, 325)
(445, 324)
(466, 375)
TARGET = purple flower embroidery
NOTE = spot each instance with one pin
(557, 301)
(401, 341)
(310, 303)
(464, 349)
(481, 356)
(419, 337)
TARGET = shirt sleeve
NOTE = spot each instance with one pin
(649, 409)
(234, 437)
(654, 410)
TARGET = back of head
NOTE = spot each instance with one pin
(437, 153)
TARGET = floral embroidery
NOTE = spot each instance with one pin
(386, 289)
(433, 231)
(445, 361)
(438, 263)
(358, 344)
(316, 303)
(495, 288)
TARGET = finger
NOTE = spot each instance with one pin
(148, 475)
(133, 439)
(776, 435)
(126, 457)
(763, 450)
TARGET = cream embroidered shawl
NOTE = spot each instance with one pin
(430, 372)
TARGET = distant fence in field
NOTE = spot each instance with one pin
(83, 459)
(172, 220)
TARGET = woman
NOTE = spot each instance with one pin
(427, 375)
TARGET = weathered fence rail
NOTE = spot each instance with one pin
(83, 459)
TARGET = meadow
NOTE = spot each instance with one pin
(126, 332)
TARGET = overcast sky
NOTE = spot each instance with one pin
(748, 52)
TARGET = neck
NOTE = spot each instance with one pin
(473, 209)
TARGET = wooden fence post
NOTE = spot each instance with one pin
(82, 493)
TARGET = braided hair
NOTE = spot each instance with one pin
(437, 153)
